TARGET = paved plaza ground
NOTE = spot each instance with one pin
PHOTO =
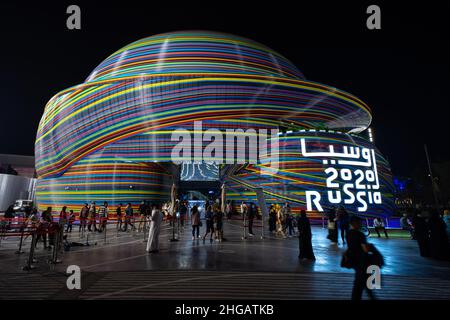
(269, 268)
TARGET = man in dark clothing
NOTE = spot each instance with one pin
(183, 212)
(421, 233)
(358, 255)
(439, 246)
(272, 218)
(119, 217)
(344, 223)
(251, 217)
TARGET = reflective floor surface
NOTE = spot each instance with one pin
(272, 261)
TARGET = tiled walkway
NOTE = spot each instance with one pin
(236, 268)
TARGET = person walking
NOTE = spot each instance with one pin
(332, 226)
(209, 223)
(63, 217)
(290, 224)
(279, 221)
(92, 217)
(70, 221)
(378, 225)
(195, 222)
(244, 209)
(421, 233)
(286, 212)
(128, 216)
(84, 213)
(218, 222)
(406, 225)
(304, 237)
(229, 210)
(155, 229)
(344, 223)
(183, 209)
(102, 216)
(357, 255)
(439, 246)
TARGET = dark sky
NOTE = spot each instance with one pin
(402, 71)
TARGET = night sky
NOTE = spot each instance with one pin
(402, 71)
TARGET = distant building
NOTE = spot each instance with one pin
(17, 179)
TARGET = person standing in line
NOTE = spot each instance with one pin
(421, 233)
(344, 223)
(119, 217)
(209, 223)
(229, 210)
(289, 221)
(92, 217)
(63, 217)
(332, 226)
(439, 246)
(128, 216)
(218, 222)
(84, 213)
(279, 221)
(103, 216)
(42, 229)
(155, 229)
(195, 222)
(286, 212)
(70, 221)
(251, 217)
(378, 225)
(304, 237)
(357, 254)
(148, 215)
(183, 209)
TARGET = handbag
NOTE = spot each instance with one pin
(200, 223)
(346, 261)
(375, 257)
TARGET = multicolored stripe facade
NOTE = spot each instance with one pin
(113, 131)
(298, 174)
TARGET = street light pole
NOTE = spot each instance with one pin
(430, 174)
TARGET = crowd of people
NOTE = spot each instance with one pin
(427, 227)
(432, 232)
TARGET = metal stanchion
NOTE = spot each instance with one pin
(104, 229)
(31, 258)
(145, 229)
(173, 230)
(83, 226)
(56, 247)
(244, 235)
(262, 226)
(22, 229)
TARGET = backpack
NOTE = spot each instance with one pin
(375, 257)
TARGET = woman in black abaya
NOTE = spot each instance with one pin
(305, 235)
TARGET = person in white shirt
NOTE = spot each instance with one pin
(378, 225)
(155, 228)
